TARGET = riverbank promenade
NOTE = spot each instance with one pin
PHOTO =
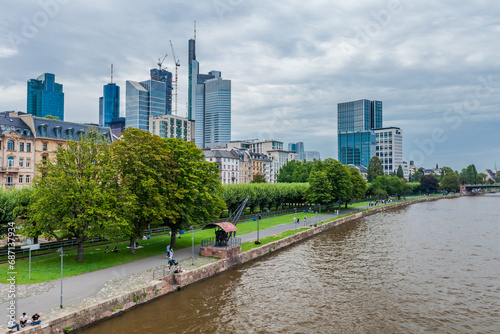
(95, 286)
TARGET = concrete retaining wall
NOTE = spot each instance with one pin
(92, 314)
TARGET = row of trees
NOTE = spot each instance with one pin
(264, 195)
(94, 189)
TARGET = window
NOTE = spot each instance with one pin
(58, 132)
(70, 134)
(10, 161)
(10, 181)
(43, 130)
(10, 145)
(28, 147)
(20, 179)
(27, 179)
(28, 163)
(21, 162)
(45, 146)
(21, 147)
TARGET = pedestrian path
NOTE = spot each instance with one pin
(81, 287)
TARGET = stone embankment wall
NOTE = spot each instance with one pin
(92, 314)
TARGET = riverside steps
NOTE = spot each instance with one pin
(77, 288)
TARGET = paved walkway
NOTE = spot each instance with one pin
(44, 298)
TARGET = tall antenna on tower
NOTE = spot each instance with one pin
(195, 30)
(111, 73)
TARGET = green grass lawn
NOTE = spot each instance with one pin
(48, 267)
(263, 241)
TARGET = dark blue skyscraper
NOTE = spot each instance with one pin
(166, 77)
(356, 122)
(45, 97)
(109, 104)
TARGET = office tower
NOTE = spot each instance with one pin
(356, 138)
(144, 100)
(297, 148)
(45, 97)
(172, 126)
(166, 77)
(217, 111)
(389, 148)
(109, 104)
(209, 104)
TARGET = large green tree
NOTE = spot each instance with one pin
(9, 201)
(374, 169)
(197, 197)
(147, 171)
(320, 190)
(79, 194)
(295, 171)
(400, 172)
(450, 181)
(358, 183)
(429, 183)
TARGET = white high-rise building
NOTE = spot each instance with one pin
(389, 148)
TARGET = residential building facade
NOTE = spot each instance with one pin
(35, 141)
(262, 165)
(171, 126)
(228, 163)
(45, 97)
(17, 153)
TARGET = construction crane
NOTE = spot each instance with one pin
(160, 62)
(235, 217)
(177, 64)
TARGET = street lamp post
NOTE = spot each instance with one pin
(192, 242)
(259, 217)
(338, 212)
(61, 306)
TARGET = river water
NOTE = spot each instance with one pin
(427, 268)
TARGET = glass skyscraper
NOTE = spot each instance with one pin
(109, 104)
(166, 77)
(217, 111)
(356, 138)
(297, 148)
(45, 97)
(144, 99)
(209, 104)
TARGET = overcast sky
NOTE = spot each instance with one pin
(434, 64)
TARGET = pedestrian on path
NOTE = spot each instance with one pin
(295, 219)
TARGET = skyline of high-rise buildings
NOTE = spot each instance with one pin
(45, 97)
(209, 103)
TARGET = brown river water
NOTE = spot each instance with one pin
(427, 268)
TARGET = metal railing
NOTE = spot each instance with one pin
(213, 242)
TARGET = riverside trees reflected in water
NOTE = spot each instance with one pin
(428, 268)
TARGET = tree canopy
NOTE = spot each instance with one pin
(295, 171)
(429, 183)
(450, 181)
(197, 196)
(400, 172)
(79, 194)
(374, 169)
(147, 171)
